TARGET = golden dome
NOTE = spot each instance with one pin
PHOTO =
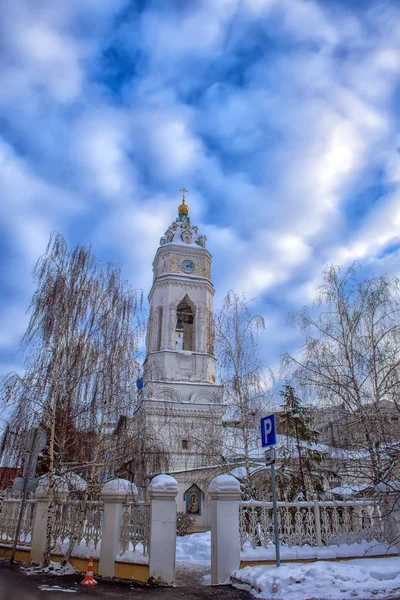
(183, 209)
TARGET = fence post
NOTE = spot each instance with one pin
(43, 507)
(38, 542)
(224, 491)
(317, 519)
(390, 510)
(163, 490)
(114, 494)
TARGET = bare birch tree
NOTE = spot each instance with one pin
(247, 382)
(80, 369)
(351, 358)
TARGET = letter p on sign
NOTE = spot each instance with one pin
(268, 431)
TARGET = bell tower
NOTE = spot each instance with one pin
(181, 405)
(180, 334)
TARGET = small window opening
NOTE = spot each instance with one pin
(184, 444)
(159, 332)
(184, 331)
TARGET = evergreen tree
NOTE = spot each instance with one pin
(300, 466)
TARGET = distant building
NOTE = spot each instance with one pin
(7, 476)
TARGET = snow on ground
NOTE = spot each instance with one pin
(54, 568)
(194, 548)
(80, 550)
(372, 548)
(360, 578)
(55, 588)
(130, 556)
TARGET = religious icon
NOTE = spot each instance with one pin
(193, 500)
(193, 506)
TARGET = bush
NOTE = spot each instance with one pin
(184, 523)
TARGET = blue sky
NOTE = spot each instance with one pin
(281, 117)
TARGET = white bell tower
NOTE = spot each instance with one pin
(181, 404)
(180, 334)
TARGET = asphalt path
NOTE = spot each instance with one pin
(15, 585)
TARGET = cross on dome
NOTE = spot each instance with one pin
(183, 209)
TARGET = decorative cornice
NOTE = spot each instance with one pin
(185, 410)
(182, 281)
(182, 251)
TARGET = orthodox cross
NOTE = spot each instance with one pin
(184, 191)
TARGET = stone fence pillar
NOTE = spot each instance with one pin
(390, 511)
(114, 494)
(44, 505)
(163, 490)
(224, 491)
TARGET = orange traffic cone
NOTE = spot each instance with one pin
(89, 574)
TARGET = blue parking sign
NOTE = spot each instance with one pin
(268, 431)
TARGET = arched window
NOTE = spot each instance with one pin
(184, 332)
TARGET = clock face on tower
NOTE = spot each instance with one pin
(187, 266)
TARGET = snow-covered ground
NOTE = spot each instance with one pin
(364, 548)
(194, 548)
(359, 578)
(54, 568)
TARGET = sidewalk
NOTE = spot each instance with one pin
(15, 585)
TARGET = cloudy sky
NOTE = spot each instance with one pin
(281, 117)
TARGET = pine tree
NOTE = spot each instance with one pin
(300, 465)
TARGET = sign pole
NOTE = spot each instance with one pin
(275, 510)
(268, 440)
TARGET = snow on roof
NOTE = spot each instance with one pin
(179, 228)
(59, 484)
(233, 447)
(389, 486)
(349, 489)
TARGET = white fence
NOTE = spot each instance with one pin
(245, 530)
(9, 512)
(312, 523)
(118, 526)
(77, 521)
(135, 530)
(109, 529)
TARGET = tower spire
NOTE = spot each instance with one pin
(183, 209)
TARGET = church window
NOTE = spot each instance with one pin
(184, 444)
(184, 332)
(160, 315)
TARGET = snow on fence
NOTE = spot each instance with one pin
(80, 521)
(9, 512)
(312, 523)
(135, 530)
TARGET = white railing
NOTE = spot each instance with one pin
(80, 521)
(135, 530)
(9, 512)
(313, 523)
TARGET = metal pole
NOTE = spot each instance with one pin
(275, 510)
(28, 455)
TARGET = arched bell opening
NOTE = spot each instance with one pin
(184, 331)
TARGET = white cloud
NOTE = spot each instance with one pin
(273, 114)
